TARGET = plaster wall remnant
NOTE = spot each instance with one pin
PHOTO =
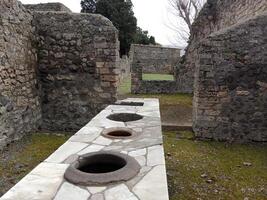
(230, 88)
(125, 68)
(58, 69)
(20, 111)
(153, 60)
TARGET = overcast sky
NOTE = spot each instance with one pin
(152, 15)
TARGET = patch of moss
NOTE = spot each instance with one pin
(21, 157)
(212, 170)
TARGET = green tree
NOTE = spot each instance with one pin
(88, 6)
(121, 14)
(142, 37)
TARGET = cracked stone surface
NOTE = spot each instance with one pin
(46, 180)
(70, 192)
(120, 192)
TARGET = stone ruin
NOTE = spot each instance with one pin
(58, 69)
(153, 59)
(228, 55)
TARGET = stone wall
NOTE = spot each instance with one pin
(153, 59)
(77, 58)
(47, 7)
(20, 110)
(230, 97)
(216, 15)
(231, 88)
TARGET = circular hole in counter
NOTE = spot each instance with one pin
(101, 168)
(124, 117)
(119, 133)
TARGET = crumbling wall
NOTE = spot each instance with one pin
(216, 15)
(77, 61)
(47, 7)
(231, 89)
(153, 60)
(20, 110)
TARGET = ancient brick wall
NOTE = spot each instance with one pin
(230, 97)
(153, 60)
(20, 110)
(216, 15)
(47, 7)
(77, 61)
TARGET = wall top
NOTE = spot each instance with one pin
(47, 7)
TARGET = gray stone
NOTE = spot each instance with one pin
(71, 192)
(120, 192)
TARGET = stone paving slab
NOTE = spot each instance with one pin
(146, 148)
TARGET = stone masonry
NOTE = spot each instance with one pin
(153, 60)
(230, 97)
(20, 110)
(58, 69)
(77, 56)
(216, 15)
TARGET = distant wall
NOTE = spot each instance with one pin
(47, 7)
(20, 110)
(77, 61)
(153, 59)
(216, 15)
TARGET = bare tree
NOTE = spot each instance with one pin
(186, 11)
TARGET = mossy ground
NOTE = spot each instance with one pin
(22, 156)
(212, 170)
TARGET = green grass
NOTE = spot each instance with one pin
(124, 91)
(187, 160)
(158, 77)
(25, 154)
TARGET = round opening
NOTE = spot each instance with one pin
(119, 134)
(125, 117)
(102, 168)
(101, 164)
(129, 103)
